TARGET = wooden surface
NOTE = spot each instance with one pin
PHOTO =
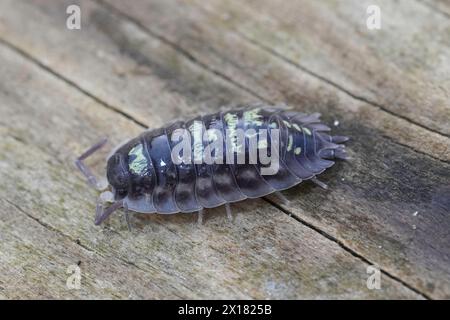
(140, 64)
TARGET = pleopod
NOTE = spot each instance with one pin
(214, 160)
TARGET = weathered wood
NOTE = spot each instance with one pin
(183, 63)
(440, 6)
(35, 259)
(240, 62)
(205, 37)
(402, 68)
(402, 184)
(47, 220)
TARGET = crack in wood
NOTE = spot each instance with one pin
(346, 248)
(334, 84)
(274, 53)
(180, 50)
(142, 124)
(434, 8)
(48, 227)
(417, 151)
(70, 82)
(75, 241)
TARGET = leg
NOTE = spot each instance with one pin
(105, 196)
(282, 198)
(228, 209)
(99, 209)
(92, 181)
(321, 184)
(102, 213)
(200, 217)
(127, 216)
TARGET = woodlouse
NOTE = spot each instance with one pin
(143, 176)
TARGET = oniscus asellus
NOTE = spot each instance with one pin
(143, 176)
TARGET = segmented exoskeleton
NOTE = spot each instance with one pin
(143, 176)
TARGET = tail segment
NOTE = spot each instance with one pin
(330, 147)
(326, 146)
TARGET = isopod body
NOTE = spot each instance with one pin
(144, 177)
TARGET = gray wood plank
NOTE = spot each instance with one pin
(371, 208)
(402, 68)
(136, 72)
(47, 212)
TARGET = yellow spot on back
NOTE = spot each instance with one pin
(287, 124)
(196, 129)
(297, 150)
(232, 120)
(306, 130)
(296, 127)
(290, 142)
(253, 117)
(139, 164)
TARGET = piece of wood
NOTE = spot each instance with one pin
(35, 263)
(402, 184)
(177, 65)
(47, 212)
(440, 6)
(385, 232)
(402, 68)
(205, 36)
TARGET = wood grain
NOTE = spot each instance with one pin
(385, 231)
(402, 68)
(47, 221)
(123, 72)
(271, 77)
(440, 6)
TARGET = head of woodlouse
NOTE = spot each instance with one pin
(118, 175)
